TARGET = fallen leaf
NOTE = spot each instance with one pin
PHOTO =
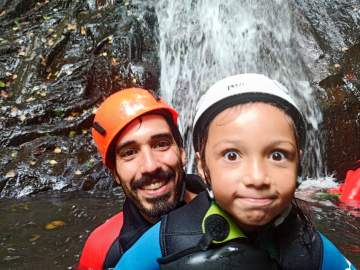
(36, 88)
(114, 62)
(22, 118)
(22, 206)
(50, 42)
(69, 118)
(71, 26)
(57, 150)
(10, 174)
(54, 224)
(350, 76)
(53, 162)
(4, 94)
(14, 154)
(30, 99)
(83, 30)
(337, 66)
(43, 60)
(2, 84)
(34, 237)
(78, 172)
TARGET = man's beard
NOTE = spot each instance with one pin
(161, 205)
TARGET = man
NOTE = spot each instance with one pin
(138, 139)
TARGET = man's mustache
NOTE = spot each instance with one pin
(148, 178)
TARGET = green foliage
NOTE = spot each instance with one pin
(326, 196)
(17, 23)
(72, 134)
(59, 112)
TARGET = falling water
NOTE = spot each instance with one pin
(98, 4)
(203, 41)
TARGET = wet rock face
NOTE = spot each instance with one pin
(341, 106)
(332, 52)
(58, 61)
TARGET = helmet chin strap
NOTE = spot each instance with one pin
(210, 193)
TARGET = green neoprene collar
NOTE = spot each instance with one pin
(234, 231)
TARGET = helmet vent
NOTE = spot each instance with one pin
(99, 128)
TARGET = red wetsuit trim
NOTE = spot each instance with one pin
(98, 243)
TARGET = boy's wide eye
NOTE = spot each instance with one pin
(231, 155)
(277, 156)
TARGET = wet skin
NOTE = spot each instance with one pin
(252, 157)
(149, 165)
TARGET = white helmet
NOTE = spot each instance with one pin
(244, 88)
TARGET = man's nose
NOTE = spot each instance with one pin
(149, 162)
(256, 173)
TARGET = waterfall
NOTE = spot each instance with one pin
(203, 41)
(98, 4)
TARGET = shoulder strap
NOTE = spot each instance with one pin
(99, 242)
(181, 228)
(299, 245)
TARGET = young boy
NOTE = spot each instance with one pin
(248, 136)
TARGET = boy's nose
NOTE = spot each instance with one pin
(256, 173)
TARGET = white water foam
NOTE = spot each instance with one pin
(323, 183)
(203, 41)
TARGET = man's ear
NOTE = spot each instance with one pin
(199, 165)
(299, 162)
(183, 156)
(116, 176)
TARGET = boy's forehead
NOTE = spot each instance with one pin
(249, 118)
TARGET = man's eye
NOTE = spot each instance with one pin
(231, 155)
(127, 153)
(278, 155)
(163, 144)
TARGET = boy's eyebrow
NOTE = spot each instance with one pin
(165, 135)
(237, 141)
(277, 142)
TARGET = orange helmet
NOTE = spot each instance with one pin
(118, 110)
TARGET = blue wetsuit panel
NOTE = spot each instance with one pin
(144, 253)
(332, 257)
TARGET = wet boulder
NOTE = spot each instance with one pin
(58, 61)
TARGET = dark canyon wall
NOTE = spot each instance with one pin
(59, 59)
